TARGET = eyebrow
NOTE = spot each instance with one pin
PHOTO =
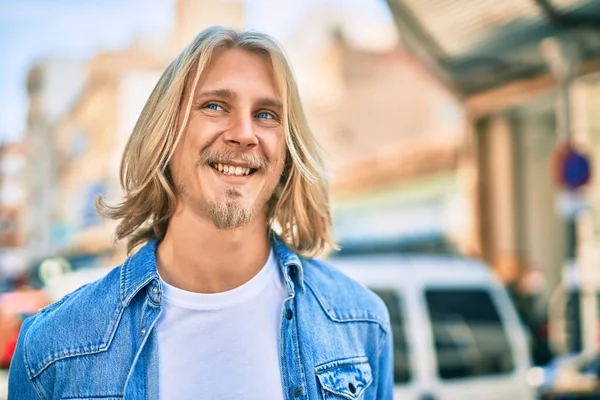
(228, 94)
(222, 93)
(270, 103)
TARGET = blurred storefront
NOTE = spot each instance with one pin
(490, 55)
(524, 224)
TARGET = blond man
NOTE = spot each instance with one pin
(225, 204)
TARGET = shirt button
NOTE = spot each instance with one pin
(143, 332)
(297, 391)
(352, 388)
(289, 314)
(154, 290)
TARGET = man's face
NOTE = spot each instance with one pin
(232, 153)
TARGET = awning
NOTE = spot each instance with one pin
(477, 45)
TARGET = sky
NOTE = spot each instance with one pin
(31, 30)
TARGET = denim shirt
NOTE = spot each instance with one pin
(99, 342)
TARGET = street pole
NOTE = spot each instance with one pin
(561, 55)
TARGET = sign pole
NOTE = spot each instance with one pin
(562, 59)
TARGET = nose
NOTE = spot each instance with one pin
(241, 133)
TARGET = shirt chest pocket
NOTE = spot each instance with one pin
(344, 379)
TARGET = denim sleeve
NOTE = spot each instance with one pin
(20, 386)
(385, 384)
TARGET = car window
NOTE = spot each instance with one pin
(392, 300)
(468, 334)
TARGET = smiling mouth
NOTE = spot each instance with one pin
(232, 170)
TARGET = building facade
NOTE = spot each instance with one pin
(12, 207)
(52, 85)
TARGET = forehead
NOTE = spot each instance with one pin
(240, 71)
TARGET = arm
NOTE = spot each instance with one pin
(20, 386)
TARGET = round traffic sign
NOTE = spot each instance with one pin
(570, 168)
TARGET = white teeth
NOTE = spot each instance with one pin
(233, 170)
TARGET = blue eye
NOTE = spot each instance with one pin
(214, 107)
(265, 115)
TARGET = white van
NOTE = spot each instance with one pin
(456, 333)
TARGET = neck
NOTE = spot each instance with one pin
(197, 257)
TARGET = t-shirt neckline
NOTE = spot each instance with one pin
(229, 298)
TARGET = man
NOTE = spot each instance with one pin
(224, 190)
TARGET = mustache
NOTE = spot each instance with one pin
(213, 156)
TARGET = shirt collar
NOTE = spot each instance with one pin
(289, 262)
(138, 271)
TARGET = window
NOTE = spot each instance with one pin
(402, 372)
(468, 334)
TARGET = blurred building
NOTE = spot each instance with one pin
(88, 143)
(191, 16)
(12, 204)
(523, 224)
(587, 133)
(52, 85)
(12, 194)
(394, 140)
(494, 57)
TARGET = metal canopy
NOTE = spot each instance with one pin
(477, 45)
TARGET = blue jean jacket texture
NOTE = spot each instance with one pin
(99, 342)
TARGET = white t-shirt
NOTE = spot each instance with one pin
(222, 345)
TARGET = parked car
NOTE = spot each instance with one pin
(456, 332)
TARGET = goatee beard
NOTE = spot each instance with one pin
(229, 213)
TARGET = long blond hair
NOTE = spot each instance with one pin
(299, 209)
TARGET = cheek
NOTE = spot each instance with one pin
(175, 163)
(202, 130)
(197, 133)
(184, 161)
(179, 161)
(272, 143)
(278, 152)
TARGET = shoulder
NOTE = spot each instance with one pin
(79, 323)
(341, 297)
